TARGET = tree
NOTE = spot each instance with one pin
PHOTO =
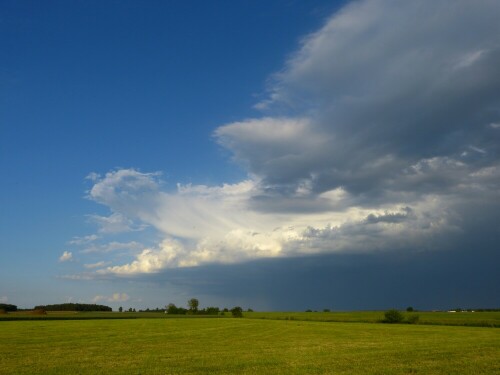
(172, 309)
(393, 316)
(212, 310)
(8, 307)
(409, 309)
(120, 309)
(193, 304)
(237, 312)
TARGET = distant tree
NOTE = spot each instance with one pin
(74, 307)
(129, 309)
(212, 311)
(120, 309)
(237, 312)
(250, 310)
(393, 316)
(326, 310)
(8, 307)
(409, 309)
(193, 304)
(225, 309)
(309, 310)
(171, 308)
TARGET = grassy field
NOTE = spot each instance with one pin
(477, 319)
(243, 346)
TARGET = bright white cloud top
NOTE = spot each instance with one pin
(389, 141)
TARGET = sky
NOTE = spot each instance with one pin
(280, 155)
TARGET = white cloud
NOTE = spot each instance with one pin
(203, 225)
(115, 297)
(83, 240)
(96, 265)
(115, 223)
(66, 256)
(131, 246)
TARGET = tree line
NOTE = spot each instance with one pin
(8, 307)
(73, 307)
(193, 309)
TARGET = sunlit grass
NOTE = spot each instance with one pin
(482, 319)
(243, 346)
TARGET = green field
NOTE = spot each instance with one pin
(243, 346)
(477, 319)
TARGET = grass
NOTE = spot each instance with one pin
(476, 319)
(243, 346)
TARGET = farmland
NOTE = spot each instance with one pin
(478, 319)
(249, 346)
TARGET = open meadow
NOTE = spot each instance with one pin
(474, 319)
(243, 346)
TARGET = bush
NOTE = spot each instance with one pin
(413, 319)
(237, 312)
(393, 316)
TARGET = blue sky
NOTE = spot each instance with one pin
(314, 152)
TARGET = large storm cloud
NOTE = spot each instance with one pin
(380, 132)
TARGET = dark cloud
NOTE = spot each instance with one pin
(383, 86)
(427, 280)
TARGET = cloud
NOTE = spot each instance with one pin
(66, 256)
(115, 297)
(96, 265)
(113, 246)
(384, 91)
(83, 240)
(114, 223)
(374, 136)
(4, 299)
(203, 225)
